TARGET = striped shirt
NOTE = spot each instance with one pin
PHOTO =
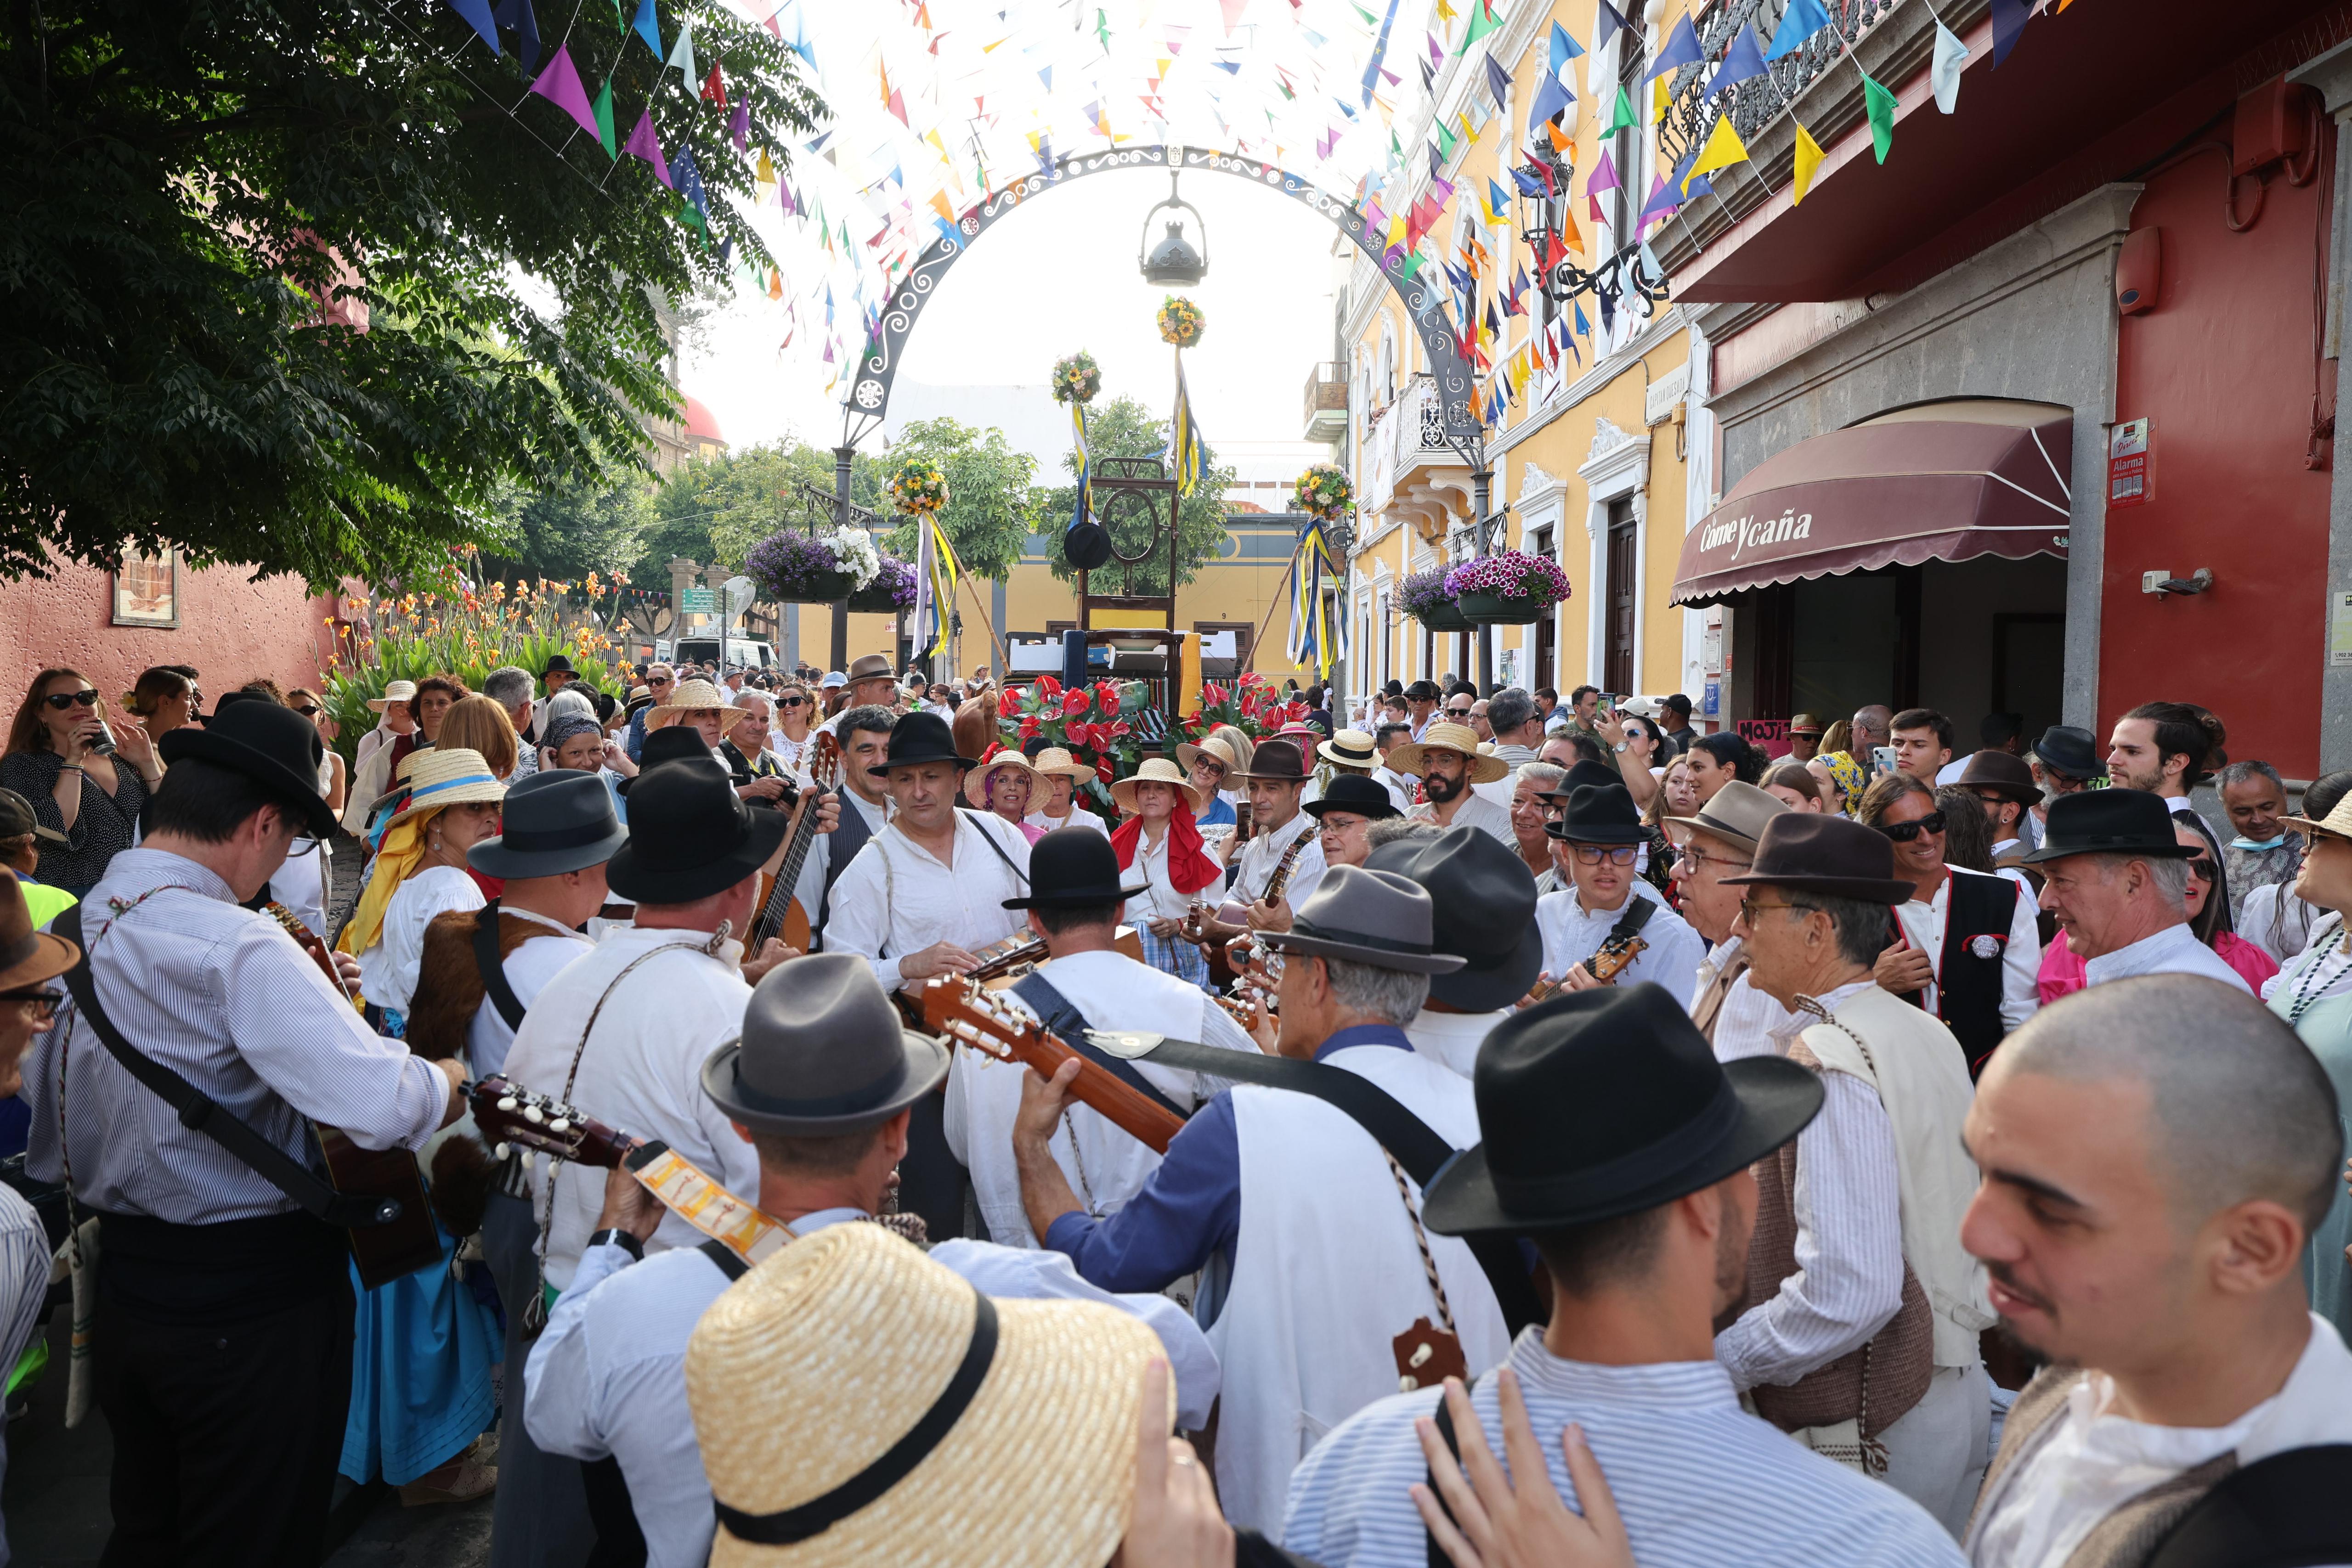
(24, 1285)
(223, 996)
(1699, 1482)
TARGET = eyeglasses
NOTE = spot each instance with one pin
(1904, 832)
(85, 697)
(308, 712)
(1696, 858)
(2203, 868)
(1749, 909)
(43, 1003)
(1615, 854)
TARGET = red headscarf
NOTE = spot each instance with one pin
(1190, 869)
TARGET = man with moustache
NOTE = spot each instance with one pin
(1720, 842)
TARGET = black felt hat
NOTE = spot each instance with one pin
(1598, 814)
(2065, 749)
(557, 665)
(1074, 867)
(1355, 792)
(673, 742)
(2103, 822)
(691, 836)
(273, 745)
(822, 1051)
(917, 739)
(1483, 910)
(552, 821)
(1605, 1103)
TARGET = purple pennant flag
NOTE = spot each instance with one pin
(1604, 176)
(643, 143)
(1663, 201)
(785, 197)
(739, 128)
(559, 85)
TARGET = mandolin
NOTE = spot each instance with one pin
(780, 914)
(964, 1013)
(407, 1239)
(1003, 962)
(1605, 965)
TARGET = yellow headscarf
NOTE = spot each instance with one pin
(395, 862)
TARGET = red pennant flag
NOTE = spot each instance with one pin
(714, 90)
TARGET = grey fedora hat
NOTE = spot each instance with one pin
(1737, 815)
(822, 1051)
(558, 821)
(1483, 899)
(1374, 917)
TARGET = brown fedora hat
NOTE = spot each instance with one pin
(1277, 761)
(1738, 814)
(1807, 852)
(2000, 771)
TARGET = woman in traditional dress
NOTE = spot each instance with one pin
(1059, 775)
(1162, 846)
(1004, 784)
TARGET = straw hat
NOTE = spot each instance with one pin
(1350, 748)
(2337, 822)
(809, 1371)
(393, 692)
(1458, 738)
(439, 779)
(1213, 748)
(686, 696)
(975, 783)
(1159, 770)
(1054, 761)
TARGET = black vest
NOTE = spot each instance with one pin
(1977, 916)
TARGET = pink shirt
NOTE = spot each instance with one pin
(2063, 974)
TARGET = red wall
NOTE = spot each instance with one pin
(231, 629)
(2222, 367)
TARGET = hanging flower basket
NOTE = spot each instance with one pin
(891, 592)
(795, 568)
(918, 487)
(1181, 322)
(1508, 588)
(1077, 379)
(1324, 492)
(1424, 597)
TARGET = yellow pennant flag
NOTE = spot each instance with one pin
(939, 205)
(766, 173)
(1659, 100)
(1445, 13)
(933, 138)
(1723, 148)
(1396, 230)
(1809, 158)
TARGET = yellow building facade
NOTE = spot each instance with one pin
(1599, 460)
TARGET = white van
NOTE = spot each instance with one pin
(748, 651)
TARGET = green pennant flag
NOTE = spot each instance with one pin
(1481, 24)
(1370, 20)
(1880, 105)
(1445, 140)
(1413, 263)
(603, 108)
(1624, 119)
(688, 216)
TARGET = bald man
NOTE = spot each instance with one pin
(1873, 726)
(2155, 1153)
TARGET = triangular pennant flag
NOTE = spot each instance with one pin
(603, 110)
(643, 143)
(1551, 99)
(1951, 55)
(1603, 176)
(687, 180)
(1233, 10)
(1808, 153)
(1661, 100)
(1664, 200)
(739, 130)
(1879, 104)
(1681, 49)
(1498, 81)
(1607, 23)
(559, 85)
(1622, 117)
(1482, 22)
(681, 55)
(2009, 19)
(477, 16)
(1723, 148)
(517, 14)
(1800, 22)
(785, 197)
(714, 86)
(776, 291)
(648, 27)
(1563, 49)
(1560, 142)
(1743, 60)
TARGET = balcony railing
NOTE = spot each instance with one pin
(1751, 104)
(1409, 434)
(1327, 401)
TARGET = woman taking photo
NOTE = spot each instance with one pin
(1160, 847)
(419, 873)
(84, 780)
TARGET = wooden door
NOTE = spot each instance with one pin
(1625, 582)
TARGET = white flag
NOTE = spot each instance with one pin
(1950, 56)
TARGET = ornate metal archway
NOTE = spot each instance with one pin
(869, 393)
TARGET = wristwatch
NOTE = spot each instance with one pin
(1621, 745)
(621, 1238)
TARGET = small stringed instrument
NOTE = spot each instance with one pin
(409, 1240)
(1605, 965)
(1234, 912)
(964, 1013)
(781, 915)
(1003, 962)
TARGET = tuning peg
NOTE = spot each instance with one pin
(503, 1151)
(559, 1125)
(506, 1102)
(533, 1114)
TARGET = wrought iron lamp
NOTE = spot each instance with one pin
(1173, 261)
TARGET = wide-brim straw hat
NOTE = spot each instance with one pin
(395, 692)
(809, 1373)
(686, 696)
(1159, 770)
(1350, 748)
(1056, 762)
(1485, 767)
(1215, 750)
(2337, 822)
(975, 783)
(441, 778)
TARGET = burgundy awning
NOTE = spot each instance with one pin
(1940, 482)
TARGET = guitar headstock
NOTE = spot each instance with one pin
(961, 1011)
(509, 1113)
(822, 760)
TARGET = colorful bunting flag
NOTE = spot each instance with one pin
(517, 14)
(1800, 22)
(1879, 104)
(1498, 81)
(648, 27)
(1723, 148)
(2009, 19)
(1482, 22)
(477, 16)
(1681, 49)
(681, 55)
(1563, 49)
(1184, 437)
(603, 111)
(559, 85)
(1741, 62)
(1551, 99)
(1607, 23)
(1808, 154)
(739, 130)
(714, 86)
(643, 143)
(1603, 176)
(1951, 55)
(1622, 117)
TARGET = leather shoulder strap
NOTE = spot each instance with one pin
(1637, 915)
(1062, 1019)
(728, 1261)
(2281, 1511)
(1444, 1424)
(998, 849)
(493, 967)
(200, 1111)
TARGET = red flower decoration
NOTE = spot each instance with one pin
(1048, 686)
(1081, 733)
(1103, 770)
(1028, 730)
(1074, 703)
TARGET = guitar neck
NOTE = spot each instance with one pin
(953, 1009)
(1279, 882)
(1019, 948)
(787, 874)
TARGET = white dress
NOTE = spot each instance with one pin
(388, 969)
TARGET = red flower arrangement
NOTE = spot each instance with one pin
(1252, 704)
(1089, 721)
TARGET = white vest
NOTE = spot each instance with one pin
(1326, 1274)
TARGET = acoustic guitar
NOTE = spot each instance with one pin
(962, 1012)
(1605, 965)
(781, 913)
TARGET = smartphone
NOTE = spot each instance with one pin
(1608, 703)
(1883, 757)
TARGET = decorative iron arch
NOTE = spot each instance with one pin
(870, 393)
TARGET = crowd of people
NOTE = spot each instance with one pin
(748, 1115)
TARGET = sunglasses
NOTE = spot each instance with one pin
(43, 1003)
(1459, 712)
(1904, 832)
(308, 712)
(2203, 868)
(1615, 854)
(794, 702)
(85, 697)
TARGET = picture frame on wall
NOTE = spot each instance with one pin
(147, 588)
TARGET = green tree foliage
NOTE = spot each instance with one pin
(717, 509)
(1125, 428)
(202, 198)
(570, 531)
(991, 506)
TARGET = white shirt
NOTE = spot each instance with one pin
(2020, 957)
(1158, 900)
(528, 969)
(2174, 950)
(809, 889)
(642, 1071)
(1476, 811)
(1572, 934)
(1848, 1205)
(1453, 1039)
(1949, 773)
(2089, 1461)
(607, 1377)
(1255, 862)
(1104, 1165)
(1076, 819)
(388, 969)
(1400, 790)
(896, 897)
(1748, 1022)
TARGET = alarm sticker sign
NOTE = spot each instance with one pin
(2127, 470)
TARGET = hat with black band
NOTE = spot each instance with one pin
(557, 820)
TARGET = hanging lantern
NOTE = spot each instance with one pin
(1173, 260)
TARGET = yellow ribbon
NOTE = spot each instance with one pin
(395, 862)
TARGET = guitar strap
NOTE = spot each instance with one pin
(1444, 1424)
(200, 1111)
(725, 1259)
(1410, 1140)
(990, 840)
(1637, 915)
(493, 968)
(1062, 1019)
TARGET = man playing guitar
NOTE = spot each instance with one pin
(1277, 780)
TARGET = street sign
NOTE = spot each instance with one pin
(697, 601)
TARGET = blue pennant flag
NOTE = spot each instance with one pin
(1742, 61)
(1607, 23)
(1563, 47)
(477, 16)
(648, 27)
(2009, 19)
(517, 14)
(1498, 81)
(1380, 53)
(1527, 183)
(1551, 99)
(688, 178)
(1800, 22)
(1682, 50)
